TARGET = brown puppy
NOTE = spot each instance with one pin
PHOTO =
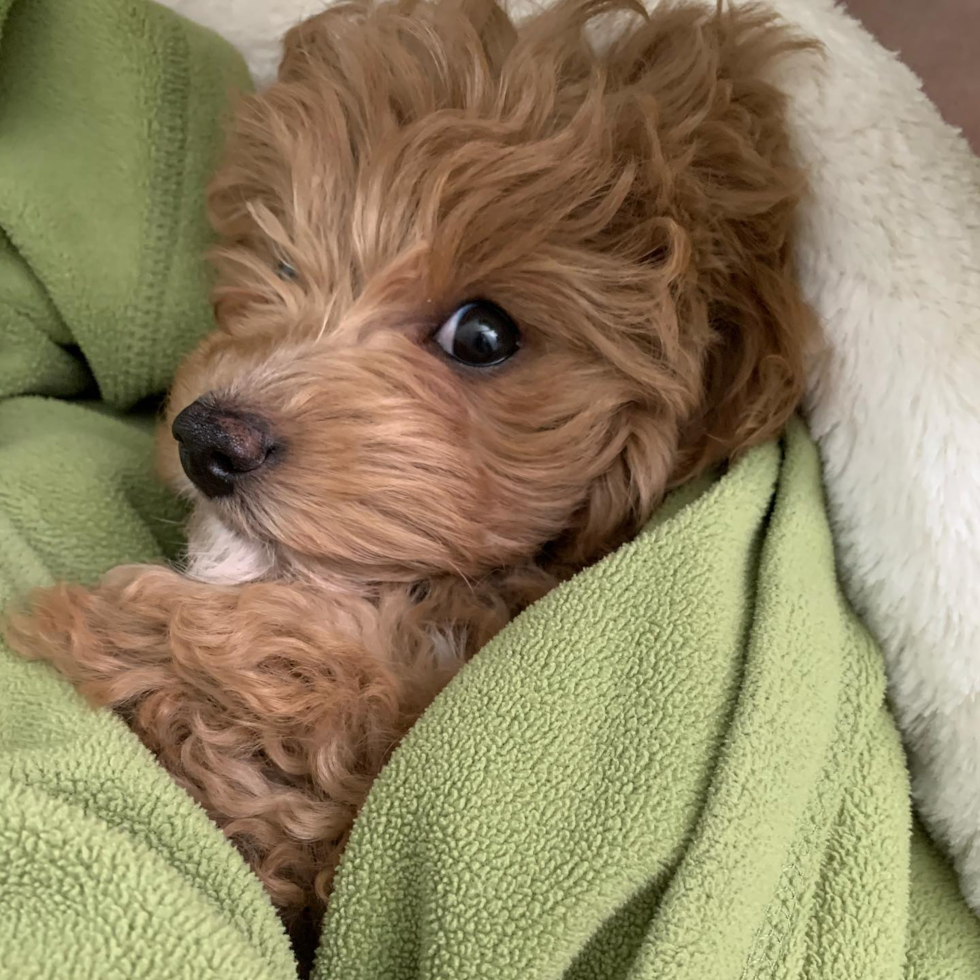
(485, 292)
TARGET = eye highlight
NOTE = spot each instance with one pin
(479, 334)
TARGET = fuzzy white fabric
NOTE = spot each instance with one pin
(255, 27)
(890, 258)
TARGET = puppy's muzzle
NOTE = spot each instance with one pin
(220, 446)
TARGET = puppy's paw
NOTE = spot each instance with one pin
(108, 641)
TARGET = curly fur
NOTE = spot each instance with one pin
(629, 204)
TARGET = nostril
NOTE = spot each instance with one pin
(220, 463)
(217, 445)
(244, 447)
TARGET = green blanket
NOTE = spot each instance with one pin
(679, 765)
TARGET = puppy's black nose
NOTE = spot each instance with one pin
(219, 445)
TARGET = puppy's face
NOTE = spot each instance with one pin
(483, 291)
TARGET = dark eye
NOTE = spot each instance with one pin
(479, 334)
(285, 271)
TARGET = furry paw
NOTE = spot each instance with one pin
(95, 637)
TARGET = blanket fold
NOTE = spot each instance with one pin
(110, 117)
(678, 765)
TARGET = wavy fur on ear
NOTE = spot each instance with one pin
(710, 129)
(630, 205)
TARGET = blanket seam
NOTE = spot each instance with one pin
(165, 195)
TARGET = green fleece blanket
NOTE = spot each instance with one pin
(679, 765)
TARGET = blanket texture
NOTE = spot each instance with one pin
(679, 765)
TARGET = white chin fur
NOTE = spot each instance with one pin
(221, 556)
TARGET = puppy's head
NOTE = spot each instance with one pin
(488, 289)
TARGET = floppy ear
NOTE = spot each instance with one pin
(732, 188)
(759, 330)
(713, 204)
(753, 372)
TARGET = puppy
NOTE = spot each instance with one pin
(485, 291)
